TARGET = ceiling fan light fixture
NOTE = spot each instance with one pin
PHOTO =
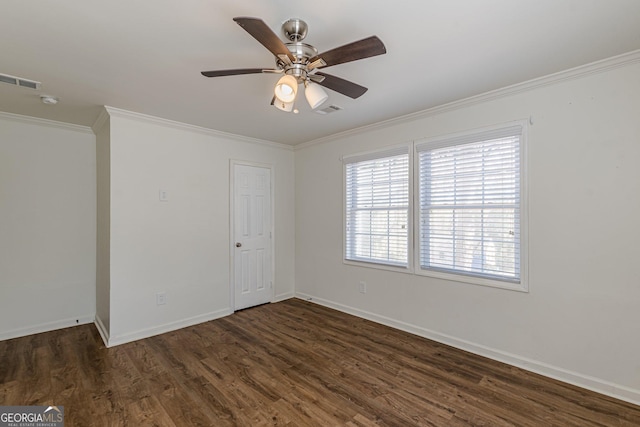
(286, 89)
(315, 95)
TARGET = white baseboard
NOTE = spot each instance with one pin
(575, 378)
(102, 330)
(161, 329)
(283, 297)
(46, 327)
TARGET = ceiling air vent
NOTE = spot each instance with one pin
(329, 109)
(18, 81)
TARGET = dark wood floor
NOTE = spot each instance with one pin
(291, 363)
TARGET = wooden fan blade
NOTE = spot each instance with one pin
(342, 86)
(261, 32)
(365, 48)
(220, 73)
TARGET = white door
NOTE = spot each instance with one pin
(252, 236)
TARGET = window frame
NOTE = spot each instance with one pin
(413, 216)
(441, 141)
(389, 151)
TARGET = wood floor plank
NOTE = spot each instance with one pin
(292, 363)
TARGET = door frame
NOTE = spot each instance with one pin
(232, 191)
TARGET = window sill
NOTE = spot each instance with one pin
(378, 266)
(460, 278)
(473, 280)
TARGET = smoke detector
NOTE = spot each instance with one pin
(49, 100)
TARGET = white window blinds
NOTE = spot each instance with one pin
(377, 207)
(470, 204)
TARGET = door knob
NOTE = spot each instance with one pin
(238, 245)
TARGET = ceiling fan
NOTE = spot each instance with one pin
(299, 63)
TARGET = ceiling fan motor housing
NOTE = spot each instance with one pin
(298, 68)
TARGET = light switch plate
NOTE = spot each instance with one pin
(161, 298)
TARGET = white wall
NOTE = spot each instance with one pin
(181, 247)
(47, 225)
(579, 322)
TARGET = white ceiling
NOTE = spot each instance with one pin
(146, 56)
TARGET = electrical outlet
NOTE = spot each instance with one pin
(161, 298)
(362, 287)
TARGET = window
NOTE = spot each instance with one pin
(377, 207)
(466, 220)
(470, 205)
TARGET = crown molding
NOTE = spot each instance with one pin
(44, 122)
(597, 67)
(100, 121)
(117, 112)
